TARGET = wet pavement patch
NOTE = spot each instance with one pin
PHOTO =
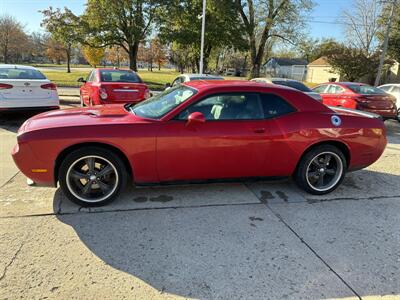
(265, 196)
(282, 195)
(162, 198)
(140, 199)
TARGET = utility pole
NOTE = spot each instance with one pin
(203, 27)
(385, 44)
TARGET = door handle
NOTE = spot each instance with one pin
(259, 130)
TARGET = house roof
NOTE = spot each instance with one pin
(289, 61)
(322, 61)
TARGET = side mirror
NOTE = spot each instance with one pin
(80, 79)
(195, 118)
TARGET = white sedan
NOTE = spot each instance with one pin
(393, 89)
(26, 88)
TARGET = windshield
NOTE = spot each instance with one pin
(293, 84)
(119, 76)
(20, 73)
(365, 89)
(161, 104)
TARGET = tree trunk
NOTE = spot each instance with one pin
(133, 51)
(68, 58)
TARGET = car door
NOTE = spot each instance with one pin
(231, 143)
(320, 89)
(86, 88)
(333, 95)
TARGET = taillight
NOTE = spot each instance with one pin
(103, 93)
(4, 86)
(147, 94)
(49, 86)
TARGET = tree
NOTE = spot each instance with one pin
(12, 38)
(93, 55)
(124, 23)
(394, 35)
(64, 27)
(354, 63)
(311, 49)
(181, 25)
(116, 55)
(265, 19)
(362, 25)
(159, 52)
(55, 51)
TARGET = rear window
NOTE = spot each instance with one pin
(293, 84)
(365, 89)
(119, 76)
(275, 106)
(20, 73)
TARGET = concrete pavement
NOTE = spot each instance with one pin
(258, 240)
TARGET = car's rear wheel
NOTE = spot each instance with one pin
(92, 176)
(321, 170)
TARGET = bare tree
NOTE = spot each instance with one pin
(267, 19)
(362, 25)
(12, 38)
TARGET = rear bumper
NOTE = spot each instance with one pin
(384, 113)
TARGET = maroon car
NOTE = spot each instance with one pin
(358, 96)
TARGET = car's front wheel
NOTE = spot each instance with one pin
(321, 170)
(92, 176)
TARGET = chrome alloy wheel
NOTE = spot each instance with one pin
(324, 171)
(92, 178)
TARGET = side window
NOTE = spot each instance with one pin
(385, 88)
(233, 106)
(320, 89)
(91, 76)
(396, 90)
(275, 106)
(334, 89)
(177, 81)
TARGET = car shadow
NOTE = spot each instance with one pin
(11, 121)
(232, 250)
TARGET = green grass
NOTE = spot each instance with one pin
(156, 80)
(64, 79)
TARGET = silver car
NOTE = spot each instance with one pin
(393, 89)
(191, 77)
(291, 83)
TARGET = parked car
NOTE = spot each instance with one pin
(394, 90)
(358, 96)
(290, 83)
(26, 88)
(107, 86)
(230, 72)
(198, 132)
(192, 77)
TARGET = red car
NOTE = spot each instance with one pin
(107, 86)
(198, 131)
(358, 96)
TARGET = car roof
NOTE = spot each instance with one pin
(390, 84)
(114, 69)
(17, 66)
(205, 84)
(191, 75)
(284, 79)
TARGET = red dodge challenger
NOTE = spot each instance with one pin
(198, 131)
(108, 86)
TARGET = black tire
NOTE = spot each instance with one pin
(312, 167)
(80, 166)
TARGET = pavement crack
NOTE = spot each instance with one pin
(9, 180)
(306, 244)
(3, 275)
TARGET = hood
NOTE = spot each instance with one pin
(85, 116)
